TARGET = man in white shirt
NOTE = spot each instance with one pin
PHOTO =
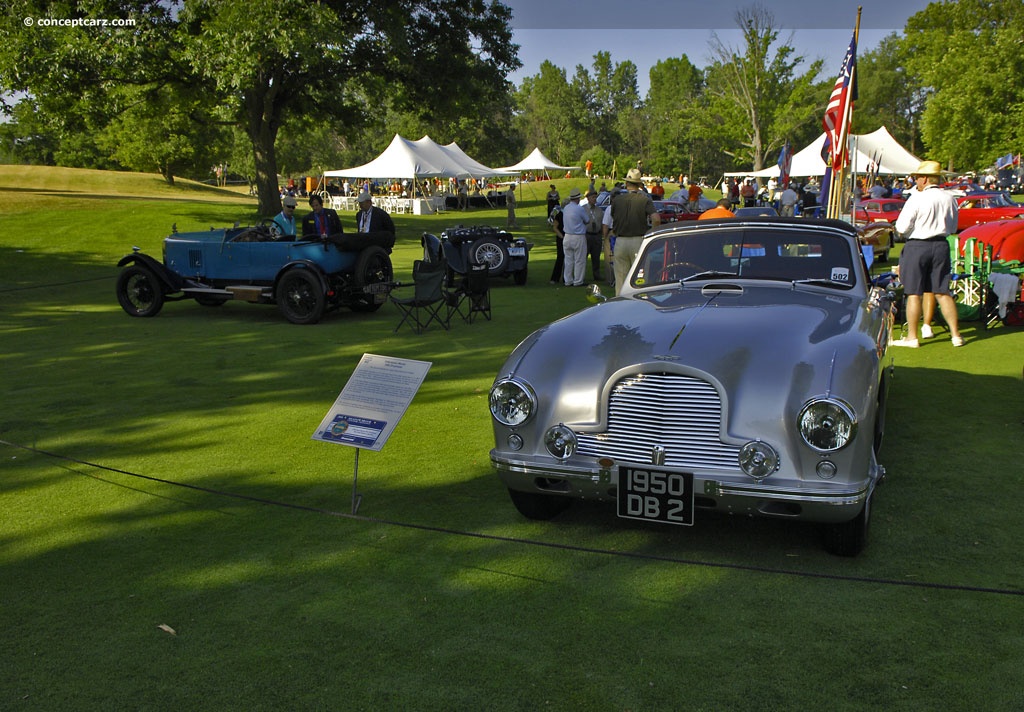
(787, 201)
(928, 217)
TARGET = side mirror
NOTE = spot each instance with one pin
(594, 295)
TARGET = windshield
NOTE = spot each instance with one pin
(762, 254)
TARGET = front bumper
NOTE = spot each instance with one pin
(827, 502)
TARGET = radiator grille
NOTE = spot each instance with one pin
(679, 413)
(195, 259)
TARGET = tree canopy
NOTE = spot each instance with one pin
(295, 88)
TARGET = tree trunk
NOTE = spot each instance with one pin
(262, 129)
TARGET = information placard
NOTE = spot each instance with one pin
(372, 402)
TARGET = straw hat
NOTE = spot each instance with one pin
(574, 194)
(928, 168)
(634, 176)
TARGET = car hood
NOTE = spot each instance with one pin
(782, 342)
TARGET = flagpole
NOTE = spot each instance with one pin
(835, 202)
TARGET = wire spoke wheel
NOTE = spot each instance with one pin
(139, 291)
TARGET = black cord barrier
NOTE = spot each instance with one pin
(530, 542)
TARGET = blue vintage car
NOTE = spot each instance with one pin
(305, 278)
(468, 247)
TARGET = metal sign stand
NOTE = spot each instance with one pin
(357, 498)
(369, 407)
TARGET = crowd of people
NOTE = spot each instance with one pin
(586, 232)
(322, 222)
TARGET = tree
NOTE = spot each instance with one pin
(756, 99)
(673, 108)
(888, 95)
(280, 60)
(263, 64)
(968, 57)
(547, 105)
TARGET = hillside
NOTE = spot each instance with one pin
(82, 181)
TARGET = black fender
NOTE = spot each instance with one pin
(171, 280)
(307, 265)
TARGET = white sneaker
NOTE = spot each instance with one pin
(958, 341)
(909, 343)
(926, 332)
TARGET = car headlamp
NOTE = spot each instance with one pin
(512, 403)
(827, 424)
(560, 441)
(758, 459)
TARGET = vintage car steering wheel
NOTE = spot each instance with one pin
(665, 271)
(271, 228)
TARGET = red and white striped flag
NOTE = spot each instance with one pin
(840, 107)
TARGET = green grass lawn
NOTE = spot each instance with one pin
(438, 596)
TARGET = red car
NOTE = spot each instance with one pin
(978, 208)
(672, 211)
(875, 209)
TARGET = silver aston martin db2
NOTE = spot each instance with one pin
(739, 371)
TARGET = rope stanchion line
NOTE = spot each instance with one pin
(520, 541)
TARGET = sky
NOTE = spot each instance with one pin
(571, 33)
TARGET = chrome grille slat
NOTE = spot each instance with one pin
(683, 414)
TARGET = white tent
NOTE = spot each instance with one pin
(537, 161)
(891, 157)
(418, 159)
(476, 168)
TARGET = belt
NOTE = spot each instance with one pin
(934, 238)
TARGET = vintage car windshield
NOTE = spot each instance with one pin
(765, 254)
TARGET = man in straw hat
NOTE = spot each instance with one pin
(928, 217)
(575, 242)
(630, 212)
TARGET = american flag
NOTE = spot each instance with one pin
(785, 164)
(840, 104)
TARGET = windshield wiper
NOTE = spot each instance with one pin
(708, 274)
(821, 282)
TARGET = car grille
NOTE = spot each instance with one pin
(679, 413)
(195, 259)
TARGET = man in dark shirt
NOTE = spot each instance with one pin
(322, 221)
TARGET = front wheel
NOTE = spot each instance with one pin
(849, 538)
(300, 296)
(539, 506)
(139, 291)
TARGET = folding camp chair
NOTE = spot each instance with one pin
(477, 290)
(971, 267)
(428, 303)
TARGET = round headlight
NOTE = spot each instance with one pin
(827, 424)
(560, 441)
(512, 403)
(758, 459)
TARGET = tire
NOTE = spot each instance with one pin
(490, 252)
(373, 266)
(300, 296)
(883, 398)
(520, 276)
(139, 291)
(849, 538)
(539, 507)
